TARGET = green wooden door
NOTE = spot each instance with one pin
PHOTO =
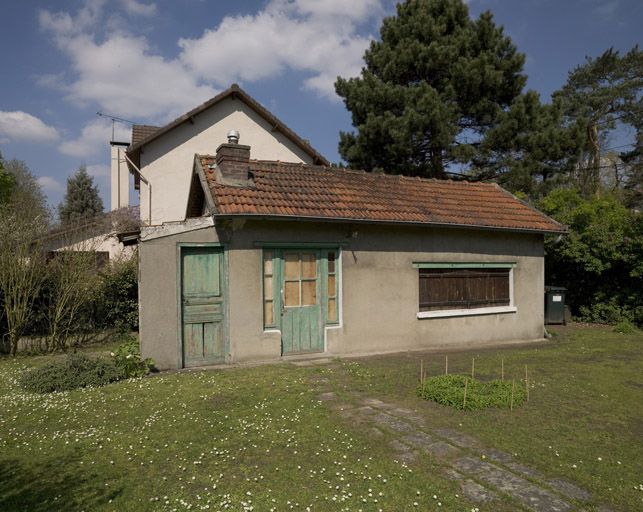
(202, 305)
(301, 315)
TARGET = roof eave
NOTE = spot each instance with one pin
(262, 216)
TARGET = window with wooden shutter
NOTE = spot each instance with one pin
(445, 287)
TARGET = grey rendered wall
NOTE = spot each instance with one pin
(379, 288)
(158, 302)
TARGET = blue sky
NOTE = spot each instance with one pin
(149, 61)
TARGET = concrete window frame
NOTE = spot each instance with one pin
(487, 310)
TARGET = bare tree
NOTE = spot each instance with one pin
(21, 269)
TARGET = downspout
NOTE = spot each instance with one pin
(149, 189)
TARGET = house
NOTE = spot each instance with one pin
(247, 257)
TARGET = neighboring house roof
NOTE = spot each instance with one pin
(234, 91)
(142, 131)
(287, 190)
(120, 222)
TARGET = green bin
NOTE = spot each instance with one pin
(555, 305)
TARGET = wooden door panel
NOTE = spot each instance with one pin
(301, 317)
(202, 305)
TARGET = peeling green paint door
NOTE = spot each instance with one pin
(301, 317)
(202, 305)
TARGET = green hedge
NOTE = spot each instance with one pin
(77, 371)
(449, 390)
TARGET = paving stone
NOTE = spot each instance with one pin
(366, 410)
(372, 401)
(419, 439)
(452, 474)
(476, 492)
(496, 455)
(569, 489)
(393, 423)
(376, 432)
(525, 470)
(403, 452)
(457, 438)
(442, 450)
(324, 397)
(532, 496)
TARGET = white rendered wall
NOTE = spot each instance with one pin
(167, 161)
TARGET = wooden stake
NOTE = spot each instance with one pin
(473, 367)
(527, 383)
(513, 389)
(446, 365)
(421, 372)
(502, 369)
(464, 404)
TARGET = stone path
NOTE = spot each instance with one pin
(484, 474)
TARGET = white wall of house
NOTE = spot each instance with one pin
(103, 243)
(167, 161)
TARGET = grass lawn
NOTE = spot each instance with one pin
(259, 438)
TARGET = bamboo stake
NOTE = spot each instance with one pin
(464, 404)
(527, 383)
(502, 368)
(446, 365)
(421, 372)
(473, 367)
(513, 388)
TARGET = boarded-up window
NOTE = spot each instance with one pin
(463, 288)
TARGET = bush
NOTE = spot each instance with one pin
(116, 299)
(127, 358)
(77, 371)
(625, 327)
(449, 390)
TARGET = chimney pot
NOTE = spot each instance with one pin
(233, 137)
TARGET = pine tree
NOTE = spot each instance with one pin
(604, 96)
(81, 200)
(441, 91)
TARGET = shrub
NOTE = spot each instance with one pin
(449, 390)
(77, 371)
(127, 358)
(625, 327)
(116, 299)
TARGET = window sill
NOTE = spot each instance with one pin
(445, 313)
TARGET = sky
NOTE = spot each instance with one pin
(151, 61)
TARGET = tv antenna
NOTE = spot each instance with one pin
(115, 120)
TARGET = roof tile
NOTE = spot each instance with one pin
(307, 191)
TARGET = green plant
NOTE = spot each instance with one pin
(449, 390)
(127, 358)
(77, 371)
(116, 299)
(625, 327)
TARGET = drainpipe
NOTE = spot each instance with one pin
(149, 189)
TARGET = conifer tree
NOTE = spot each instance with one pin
(605, 95)
(442, 91)
(81, 200)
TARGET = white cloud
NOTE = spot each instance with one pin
(98, 170)
(50, 185)
(139, 8)
(318, 38)
(94, 139)
(123, 74)
(21, 126)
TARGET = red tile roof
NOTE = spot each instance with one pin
(306, 191)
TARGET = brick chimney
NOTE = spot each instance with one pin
(233, 159)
